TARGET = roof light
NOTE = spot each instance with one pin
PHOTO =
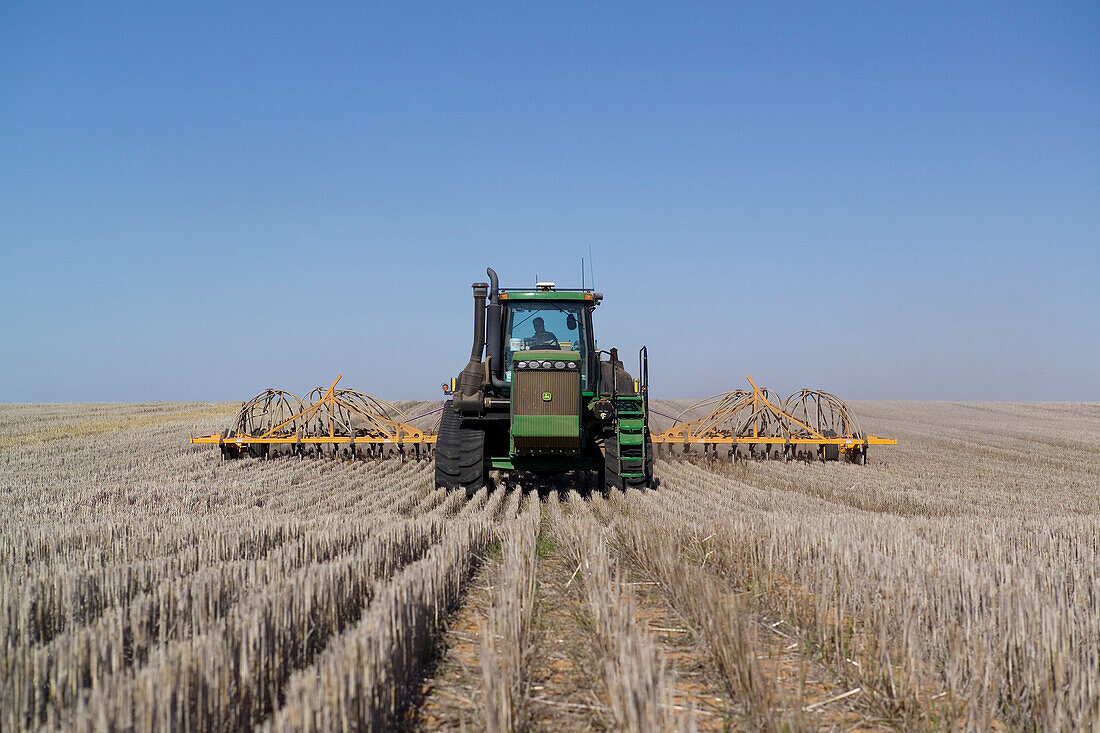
(544, 285)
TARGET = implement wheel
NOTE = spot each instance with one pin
(459, 453)
(831, 451)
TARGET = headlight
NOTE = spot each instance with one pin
(559, 365)
(572, 365)
(523, 365)
(545, 365)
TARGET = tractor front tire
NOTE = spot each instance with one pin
(612, 479)
(650, 482)
(459, 453)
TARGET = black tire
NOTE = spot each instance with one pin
(612, 479)
(459, 453)
(649, 482)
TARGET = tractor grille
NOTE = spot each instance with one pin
(540, 424)
(564, 388)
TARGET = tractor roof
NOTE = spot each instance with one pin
(578, 295)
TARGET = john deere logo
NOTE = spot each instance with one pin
(545, 396)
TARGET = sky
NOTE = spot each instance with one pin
(883, 200)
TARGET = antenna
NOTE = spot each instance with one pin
(582, 272)
(591, 270)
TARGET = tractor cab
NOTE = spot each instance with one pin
(548, 325)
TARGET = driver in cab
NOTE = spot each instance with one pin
(542, 339)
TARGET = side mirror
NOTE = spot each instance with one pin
(571, 322)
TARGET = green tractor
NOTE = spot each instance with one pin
(543, 400)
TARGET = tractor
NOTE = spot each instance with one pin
(544, 400)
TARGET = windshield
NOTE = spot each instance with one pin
(547, 325)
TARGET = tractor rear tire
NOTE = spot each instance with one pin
(459, 453)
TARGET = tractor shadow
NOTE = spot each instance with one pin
(584, 483)
(558, 485)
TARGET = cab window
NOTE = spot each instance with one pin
(548, 326)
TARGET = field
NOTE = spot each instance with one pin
(952, 583)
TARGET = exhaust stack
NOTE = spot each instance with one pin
(494, 350)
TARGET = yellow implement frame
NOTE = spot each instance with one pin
(805, 421)
(376, 429)
(753, 418)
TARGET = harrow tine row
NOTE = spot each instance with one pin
(738, 449)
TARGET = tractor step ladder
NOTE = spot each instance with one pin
(632, 422)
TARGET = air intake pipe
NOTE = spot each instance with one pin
(493, 346)
(469, 399)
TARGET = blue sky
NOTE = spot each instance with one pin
(885, 200)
